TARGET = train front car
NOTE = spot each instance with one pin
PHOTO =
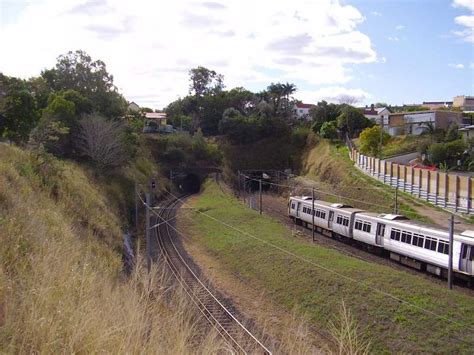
(464, 244)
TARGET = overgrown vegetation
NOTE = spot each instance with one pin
(318, 279)
(61, 283)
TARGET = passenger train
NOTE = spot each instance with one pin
(419, 245)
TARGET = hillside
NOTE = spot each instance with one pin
(62, 289)
(397, 311)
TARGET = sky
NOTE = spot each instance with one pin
(394, 51)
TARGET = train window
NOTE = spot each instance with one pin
(366, 227)
(358, 225)
(395, 234)
(339, 220)
(292, 206)
(345, 221)
(304, 209)
(406, 237)
(430, 243)
(443, 247)
(321, 214)
(418, 240)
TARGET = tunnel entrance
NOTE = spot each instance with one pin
(190, 184)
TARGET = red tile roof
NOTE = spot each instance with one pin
(305, 105)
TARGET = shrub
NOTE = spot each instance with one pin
(329, 130)
(372, 139)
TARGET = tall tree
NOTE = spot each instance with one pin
(77, 71)
(19, 107)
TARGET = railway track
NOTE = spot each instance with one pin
(218, 316)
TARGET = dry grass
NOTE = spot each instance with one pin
(346, 334)
(61, 286)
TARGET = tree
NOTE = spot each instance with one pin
(99, 140)
(323, 112)
(329, 130)
(19, 107)
(351, 120)
(372, 139)
(447, 153)
(452, 133)
(77, 71)
(347, 99)
(205, 81)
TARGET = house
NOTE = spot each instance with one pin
(376, 114)
(132, 106)
(467, 132)
(158, 117)
(465, 103)
(301, 111)
(416, 122)
(433, 105)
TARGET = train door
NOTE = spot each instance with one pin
(467, 258)
(379, 234)
(298, 209)
(330, 219)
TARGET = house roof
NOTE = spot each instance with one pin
(437, 102)
(155, 115)
(301, 105)
(467, 128)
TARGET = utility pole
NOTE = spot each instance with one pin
(395, 208)
(147, 229)
(450, 263)
(136, 208)
(312, 212)
(260, 194)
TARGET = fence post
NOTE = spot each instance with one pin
(378, 169)
(420, 178)
(398, 174)
(436, 187)
(456, 196)
(404, 178)
(412, 179)
(468, 203)
(384, 170)
(428, 181)
(446, 188)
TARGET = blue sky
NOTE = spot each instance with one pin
(392, 51)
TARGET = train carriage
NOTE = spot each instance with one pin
(412, 243)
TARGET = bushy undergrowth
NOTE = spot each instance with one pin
(61, 284)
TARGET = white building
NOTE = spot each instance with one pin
(302, 111)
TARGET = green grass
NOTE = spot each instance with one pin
(392, 326)
(403, 145)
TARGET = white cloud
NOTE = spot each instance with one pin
(393, 38)
(333, 94)
(375, 13)
(469, 4)
(149, 46)
(467, 21)
(456, 66)
(399, 27)
(471, 65)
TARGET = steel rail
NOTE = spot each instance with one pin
(227, 325)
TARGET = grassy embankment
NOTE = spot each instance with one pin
(61, 284)
(330, 166)
(291, 281)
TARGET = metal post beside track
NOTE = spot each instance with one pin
(312, 212)
(147, 230)
(450, 263)
(260, 195)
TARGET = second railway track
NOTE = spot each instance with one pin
(216, 313)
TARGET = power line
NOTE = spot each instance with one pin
(328, 269)
(322, 192)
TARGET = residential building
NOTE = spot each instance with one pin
(158, 117)
(467, 132)
(416, 122)
(433, 105)
(465, 103)
(132, 106)
(376, 114)
(302, 111)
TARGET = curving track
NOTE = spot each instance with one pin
(234, 332)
